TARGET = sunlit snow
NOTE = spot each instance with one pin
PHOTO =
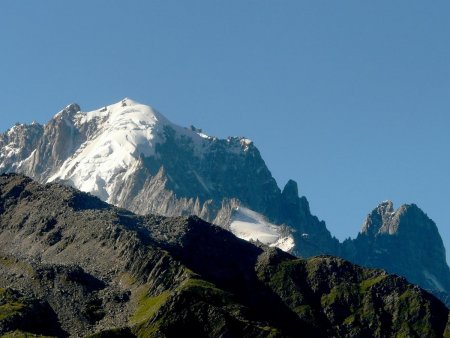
(123, 132)
(250, 225)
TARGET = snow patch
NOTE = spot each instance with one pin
(202, 135)
(245, 143)
(284, 243)
(250, 225)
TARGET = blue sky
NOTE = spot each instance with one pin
(349, 98)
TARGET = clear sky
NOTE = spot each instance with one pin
(349, 98)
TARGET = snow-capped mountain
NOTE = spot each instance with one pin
(130, 155)
(115, 138)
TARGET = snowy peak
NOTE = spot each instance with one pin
(139, 114)
(127, 127)
(116, 136)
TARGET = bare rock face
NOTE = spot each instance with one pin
(403, 241)
(382, 220)
(311, 235)
(58, 141)
(72, 265)
(17, 144)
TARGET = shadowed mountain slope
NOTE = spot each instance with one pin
(81, 266)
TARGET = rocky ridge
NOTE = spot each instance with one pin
(404, 241)
(82, 267)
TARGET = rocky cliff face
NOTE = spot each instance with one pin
(403, 241)
(131, 156)
(71, 264)
(17, 144)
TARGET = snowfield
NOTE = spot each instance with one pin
(123, 132)
(250, 225)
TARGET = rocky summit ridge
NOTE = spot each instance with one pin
(403, 241)
(72, 265)
(130, 155)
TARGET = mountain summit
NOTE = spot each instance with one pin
(403, 241)
(107, 144)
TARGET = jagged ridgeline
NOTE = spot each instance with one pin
(130, 155)
(71, 264)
